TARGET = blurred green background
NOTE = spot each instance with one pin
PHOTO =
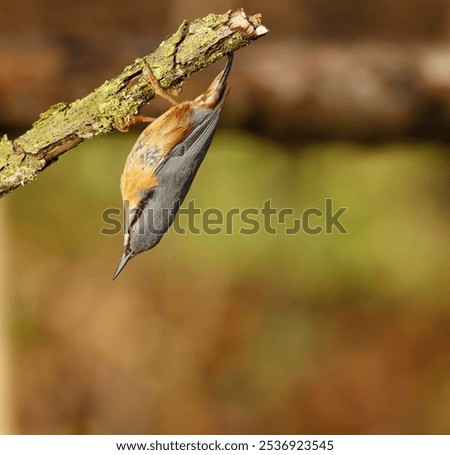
(272, 334)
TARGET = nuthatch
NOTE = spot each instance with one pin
(162, 164)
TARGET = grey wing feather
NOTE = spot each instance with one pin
(199, 139)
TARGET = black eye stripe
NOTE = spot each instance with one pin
(140, 207)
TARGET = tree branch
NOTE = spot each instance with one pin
(192, 47)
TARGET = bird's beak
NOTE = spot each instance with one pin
(127, 255)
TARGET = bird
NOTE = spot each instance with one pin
(163, 162)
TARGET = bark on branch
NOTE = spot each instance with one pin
(192, 47)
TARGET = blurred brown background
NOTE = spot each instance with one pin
(346, 100)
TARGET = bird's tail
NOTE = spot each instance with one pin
(226, 71)
(214, 93)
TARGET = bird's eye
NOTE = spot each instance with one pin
(146, 195)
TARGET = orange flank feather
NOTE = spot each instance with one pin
(170, 128)
(157, 139)
(134, 181)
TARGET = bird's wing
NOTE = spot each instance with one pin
(199, 138)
